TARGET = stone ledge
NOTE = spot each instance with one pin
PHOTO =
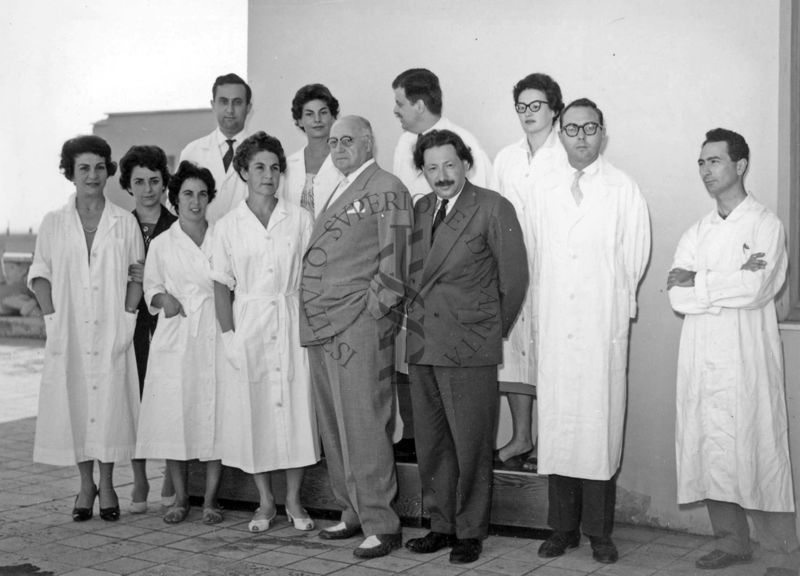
(21, 327)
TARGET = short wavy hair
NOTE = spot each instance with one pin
(86, 144)
(436, 138)
(231, 79)
(252, 145)
(185, 171)
(150, 157)
(737, 145)
(544, 84)
(421, 84)
(311, 92)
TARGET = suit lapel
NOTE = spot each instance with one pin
(449, 231)
(353, 192)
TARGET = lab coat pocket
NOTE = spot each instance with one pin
(53, 330)
(232, 348)
(167, 336)
(124, 333)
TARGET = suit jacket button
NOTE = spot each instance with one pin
(435, 314)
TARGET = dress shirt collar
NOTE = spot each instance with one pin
(450, 201)
(350, 178)
(222, 140)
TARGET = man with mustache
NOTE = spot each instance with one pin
(468, 277)
(231, 103)
(731, 431)
(418, 106)
(592, 244)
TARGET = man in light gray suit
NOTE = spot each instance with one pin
(352, 287)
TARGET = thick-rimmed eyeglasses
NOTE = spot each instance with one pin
(590, 129)
(534, 106)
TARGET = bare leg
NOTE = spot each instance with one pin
(88, 489)
(141, 487)
(262, 519)
(213, 474)
(521, 406)
(178, 471)
(294, 479)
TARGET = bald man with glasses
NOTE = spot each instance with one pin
(592, 233)
(352, 287)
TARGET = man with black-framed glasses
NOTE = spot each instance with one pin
(592, 233)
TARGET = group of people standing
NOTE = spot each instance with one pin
(267, 320)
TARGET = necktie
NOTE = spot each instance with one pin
(439, 217)
(577, 193)
(226, 160)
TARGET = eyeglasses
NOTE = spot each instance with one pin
(534, 106)
(346, 141)
(589, 129)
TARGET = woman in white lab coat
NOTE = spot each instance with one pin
(268, 421)
(179, 414)
(310, 175)
(89, 398)
(517, 169)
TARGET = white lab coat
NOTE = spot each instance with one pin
(480, 174)
(231, 189)
(731, 436)
(516, 174)
(89, 396)
(268, 421)
(589, 260)
(179, 416)
(294, 180)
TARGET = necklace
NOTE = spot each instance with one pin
(89, 230)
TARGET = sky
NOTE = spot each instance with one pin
(67, 63)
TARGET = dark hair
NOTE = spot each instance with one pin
(185, 171)
(150, 157)
(545, 84)
(436, 138)
(252, 145)
(311, 92)
(737, 145)
(421, 84)
(90, 144)
(231, 79)
(582, 103)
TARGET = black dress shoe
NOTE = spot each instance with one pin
(110, 514)
(603, 549)
(558, 543)
(465, 550)
(431, 542)
(343, 534)
(388, 542)
(717, 559)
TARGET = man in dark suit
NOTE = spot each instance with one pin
(468, 277)
(353, 284)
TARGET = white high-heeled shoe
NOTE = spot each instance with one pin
(304, 524)
(261, 524)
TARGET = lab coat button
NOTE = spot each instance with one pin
(569, 336)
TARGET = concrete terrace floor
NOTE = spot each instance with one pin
(38, 536)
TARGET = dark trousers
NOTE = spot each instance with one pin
(577, 503)
(455, 414)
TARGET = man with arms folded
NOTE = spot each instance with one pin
(731, 434)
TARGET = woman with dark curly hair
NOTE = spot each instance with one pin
(143, 173)
(89, 396)
(179, 416)
(268, 421)
(311, 176)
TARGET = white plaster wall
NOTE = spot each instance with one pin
(663, 71)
